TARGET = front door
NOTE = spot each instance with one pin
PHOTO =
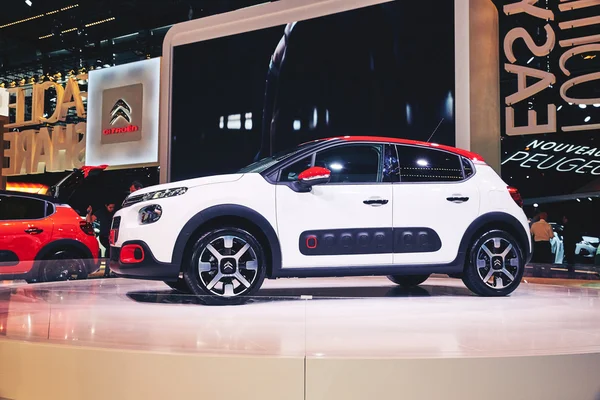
(345, 223)
(434, 204)
(24, 230)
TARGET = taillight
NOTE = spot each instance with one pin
(113, 236)
(516, 196)
(87, 228)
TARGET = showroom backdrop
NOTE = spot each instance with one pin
(382, 70)
(550, 96)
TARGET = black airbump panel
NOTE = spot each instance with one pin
(416, 240)
(8, 258)
(369, 241)
(346, 241)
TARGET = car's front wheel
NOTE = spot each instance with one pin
(226, 266)
(408, 281)
(495, 266)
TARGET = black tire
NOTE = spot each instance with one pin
(479, 265)
(408, 281)
(251, 267)
(179, 286)
(62, 265)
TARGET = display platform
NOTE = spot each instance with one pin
(335, 338)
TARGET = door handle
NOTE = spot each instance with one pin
(34, 231)
(457, 199)
(376, 202)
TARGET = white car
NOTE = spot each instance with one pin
(346, 206)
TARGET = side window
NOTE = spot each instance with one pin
(49, 209)
(361, 163)
(391, 167)
(467, 167)
(419, 164)
(291, 172)
(21, 208)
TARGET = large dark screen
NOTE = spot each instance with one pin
(385, 70)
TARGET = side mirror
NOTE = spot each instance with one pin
(311, 177)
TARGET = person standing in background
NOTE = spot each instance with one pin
(542, 234)
(104, 218)
(135, 186)
(569, 241)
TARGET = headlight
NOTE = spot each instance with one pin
(149, 214)
(160, 194)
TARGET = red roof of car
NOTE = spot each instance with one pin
(465, 153)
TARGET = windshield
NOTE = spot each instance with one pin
(267, 162)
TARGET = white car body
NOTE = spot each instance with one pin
(336, 207)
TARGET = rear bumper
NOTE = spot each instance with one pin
(148, 268)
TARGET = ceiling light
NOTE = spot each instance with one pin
(579, 200)
(422, 163)
(100, 22)
(28, 2)
(583, 106)
(530, 60)
(587, 119)
(559, 108)
(596, 105)
(589, 198)
(536, 205)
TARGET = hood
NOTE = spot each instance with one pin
(190, 183)
(64, 189)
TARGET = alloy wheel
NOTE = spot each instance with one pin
(498, 263)
(61, 267)
(228, 266)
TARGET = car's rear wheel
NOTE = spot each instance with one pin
(179, 286)
(226, 266)
(408, 281)
(495, 266)
(62, 265)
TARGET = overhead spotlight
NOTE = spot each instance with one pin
(536, 205)
(28, 2)
(596, 105)
(589, 198)
(587, 119)
(530, 60)
(579, 200)
(583, 106)
(559, 108)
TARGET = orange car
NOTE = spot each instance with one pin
(43, 239)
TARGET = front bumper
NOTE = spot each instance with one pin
(148, 268)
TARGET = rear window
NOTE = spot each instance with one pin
(421, 164)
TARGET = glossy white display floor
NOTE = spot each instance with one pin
(340, 329)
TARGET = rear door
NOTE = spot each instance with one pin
(24, 230)
(434, 203)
